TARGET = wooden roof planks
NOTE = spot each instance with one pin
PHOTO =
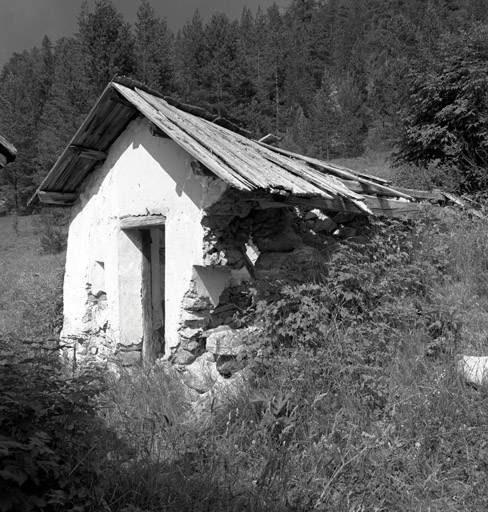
(243, 163)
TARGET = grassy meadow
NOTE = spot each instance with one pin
(31, 280)
(352, 400)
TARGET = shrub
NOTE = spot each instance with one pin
(428, 176)
(50, 458)
(53, 228)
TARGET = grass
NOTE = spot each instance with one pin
(31, 280)
(375, 163)
(353, 402)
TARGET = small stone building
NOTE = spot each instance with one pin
(171, 207)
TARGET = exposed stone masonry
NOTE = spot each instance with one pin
(242, 242)
(286, 241)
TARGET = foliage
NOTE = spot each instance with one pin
(153, 49)
(53, 230)
(49, 461)
(351, 402)
(107, 43)
(428, 177)
(445, 117)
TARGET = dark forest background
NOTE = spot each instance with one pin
(332, 78)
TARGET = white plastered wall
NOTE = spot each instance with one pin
(143, 175)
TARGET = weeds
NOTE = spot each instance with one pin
(353, 401)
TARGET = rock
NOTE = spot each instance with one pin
(344, 217)
(202, 374)
(82, 350)
(195, 319)
(193, 346)
(473, 369)
(285, 240)
(189, 334)
(311, 215)
(224, 391)
(132, 347)
(325, 225)
(224, 340)
(184, 357)
(227, 365)
(345, 232)
(129, 358)
(196, 303)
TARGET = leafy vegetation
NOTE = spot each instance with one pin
(47, 424)
(445, 116)
(352, 401)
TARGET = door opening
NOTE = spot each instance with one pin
(152, 292)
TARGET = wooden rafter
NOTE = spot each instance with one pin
(91, 154)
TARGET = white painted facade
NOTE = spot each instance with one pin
(143, 175)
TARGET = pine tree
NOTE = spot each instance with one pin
(153, 49)
(324, 120)
(190, 59)
(300, 65)
(107, 43)
(219, 68)
(70, 99)
(22, 96)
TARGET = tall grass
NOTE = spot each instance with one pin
(352, 401)
(31, 281)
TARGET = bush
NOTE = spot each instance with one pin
(353, 401)
(50, 458)
(429, 177)
(53, 228)
(445, 120)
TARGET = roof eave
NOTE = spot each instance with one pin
(44, 193)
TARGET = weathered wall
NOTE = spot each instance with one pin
(214, 237)
(143, 175)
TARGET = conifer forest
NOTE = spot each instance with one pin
(331, 78)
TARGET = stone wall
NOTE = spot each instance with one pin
(241, 238)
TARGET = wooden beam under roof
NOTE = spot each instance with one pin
(372, 188)
(378, 205)
(117, 98)
(57, 198)
(91, 154)
(156, 131)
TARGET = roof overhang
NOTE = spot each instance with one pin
(8, 152)
(108, 118)
(222, 148)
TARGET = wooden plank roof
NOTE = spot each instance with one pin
(7, 152)
(220, 146)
